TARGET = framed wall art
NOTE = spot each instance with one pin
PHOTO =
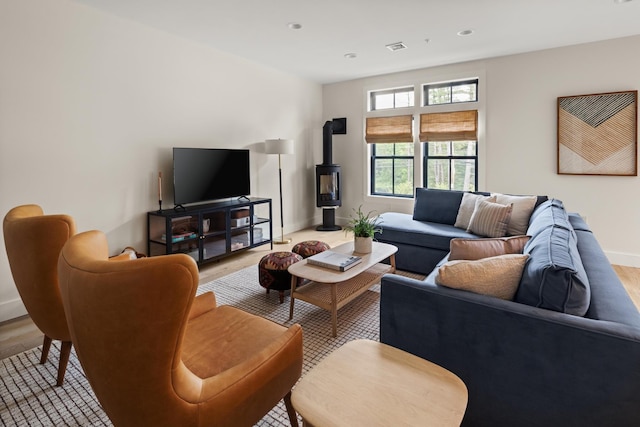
(598, 134)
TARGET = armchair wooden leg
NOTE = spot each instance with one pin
(46, 345)
(293, 417)
(65, 352)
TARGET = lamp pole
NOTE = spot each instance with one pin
(280, 147)
(282, 239)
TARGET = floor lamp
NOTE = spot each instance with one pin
(279, 147)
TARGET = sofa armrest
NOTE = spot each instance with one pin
(522, 365)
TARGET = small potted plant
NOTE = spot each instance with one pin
(363, 226)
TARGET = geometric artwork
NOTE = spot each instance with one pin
(597, 134)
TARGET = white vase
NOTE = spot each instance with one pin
(362, 245)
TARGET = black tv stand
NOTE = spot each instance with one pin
(211, 231)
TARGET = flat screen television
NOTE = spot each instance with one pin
(206, 174)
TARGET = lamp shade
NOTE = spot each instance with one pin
(278, 146)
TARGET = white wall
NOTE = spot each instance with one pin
(520, 144)
(91, 105)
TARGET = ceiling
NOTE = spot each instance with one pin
(258, 30)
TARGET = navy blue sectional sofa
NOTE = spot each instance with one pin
(564, 352)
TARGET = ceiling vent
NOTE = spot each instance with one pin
(396, 46)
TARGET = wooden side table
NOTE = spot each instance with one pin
(367, 383)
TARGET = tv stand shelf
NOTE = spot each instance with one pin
(212, 231)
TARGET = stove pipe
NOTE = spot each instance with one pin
(327, 143)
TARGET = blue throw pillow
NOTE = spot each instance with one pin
(554, 277)
(439, 206)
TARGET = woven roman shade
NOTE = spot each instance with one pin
(389, 129)
(452, 126)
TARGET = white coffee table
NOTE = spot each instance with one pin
(331, 289)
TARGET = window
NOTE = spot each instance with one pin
(451, 165)
(391, 140)
(450, 150)
(391, 98)
(392, 169)
(451, 92)
(448, 155)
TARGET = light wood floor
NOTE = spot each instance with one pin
(20, 334)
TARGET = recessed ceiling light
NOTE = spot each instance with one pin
(350, 55)
(621, 1)
(294, 26)
(465, 33)
(396, 46)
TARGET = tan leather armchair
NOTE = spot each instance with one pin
(156, 355)
(33, 242)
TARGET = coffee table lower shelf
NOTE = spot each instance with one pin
(333, 296)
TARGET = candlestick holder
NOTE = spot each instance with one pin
(159, 205)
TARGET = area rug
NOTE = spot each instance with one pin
(28, 397)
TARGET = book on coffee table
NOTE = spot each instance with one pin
(334, 260)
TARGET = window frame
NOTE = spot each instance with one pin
(426, 157)
(372, 153)
(450, 85)
(373, 157)
(394, 91)
(418, 81)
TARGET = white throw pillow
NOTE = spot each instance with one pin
(522, 210)
(467, 206)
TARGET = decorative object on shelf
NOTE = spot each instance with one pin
(597, 134)
(280, 147)
(363, 226)
(160, 191)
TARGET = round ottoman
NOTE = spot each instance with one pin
(310, 247)
(272, 271)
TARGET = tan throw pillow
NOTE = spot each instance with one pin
(497, 276)
(522, 209)
(490, 219)
(472, 249)
(467, 206)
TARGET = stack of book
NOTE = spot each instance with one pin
(334, 260)
(179, 237)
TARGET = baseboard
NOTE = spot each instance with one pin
(620, 258)
(11, 309)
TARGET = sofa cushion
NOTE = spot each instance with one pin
(401, 228)
(554, 276)
(522, 208)
(439, 206)
(490, 219)
(472, 249)
(496, 276)
(549, 213)
(467, 206)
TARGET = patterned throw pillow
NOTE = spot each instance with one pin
(497, 276)
(490, 219)
(467, 206)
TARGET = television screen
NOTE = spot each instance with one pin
(203, 174)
